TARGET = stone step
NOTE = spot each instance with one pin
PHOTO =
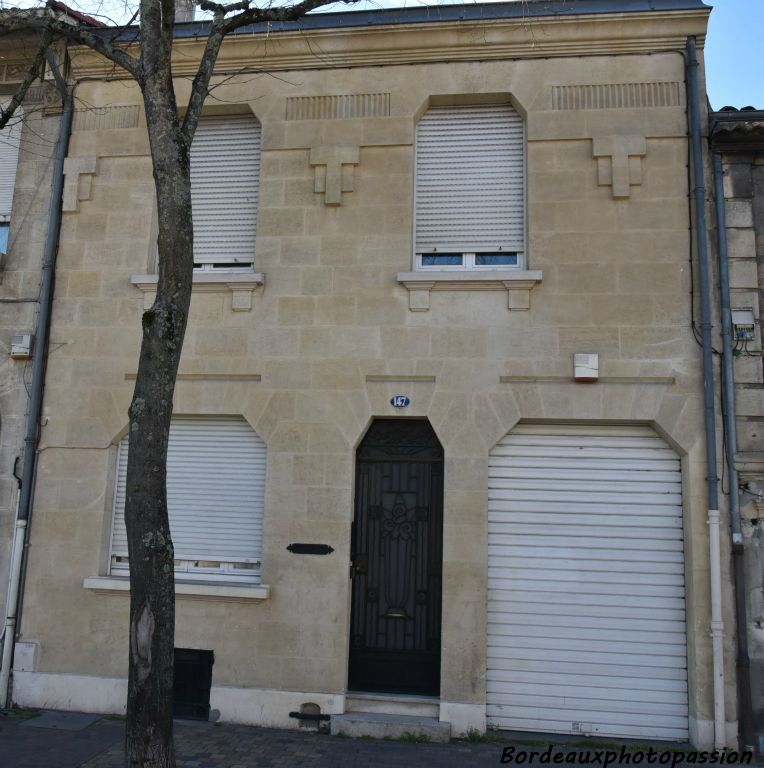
(393, 704)
(377, 725)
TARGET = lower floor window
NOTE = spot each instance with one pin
(225, 266)
(467, 260)
(215, 499)
(4, 232)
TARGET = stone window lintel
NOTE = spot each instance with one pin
(112, 585)
(517, 284)
(241, 284)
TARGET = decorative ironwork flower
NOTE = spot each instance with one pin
(399, 523)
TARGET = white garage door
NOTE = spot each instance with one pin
(586, 623)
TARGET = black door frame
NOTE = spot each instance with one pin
(397, 560)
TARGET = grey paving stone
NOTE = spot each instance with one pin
(214, 745)
(66, 721)
(24, 747)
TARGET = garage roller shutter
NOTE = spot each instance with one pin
(470, 180)
(586, 614)
(215, 495)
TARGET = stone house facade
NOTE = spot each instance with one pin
(439, 446)
(27, 148)
(737, 138)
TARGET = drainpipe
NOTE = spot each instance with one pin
(727, 375)
(714, 533)
(38, 379)
(9, 630)
(738, 566)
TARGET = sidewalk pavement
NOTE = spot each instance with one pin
(75, 740)
(47, 739)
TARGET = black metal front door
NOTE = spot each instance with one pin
(397, 551)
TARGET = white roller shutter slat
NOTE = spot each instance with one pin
(215, 497)
(576, 600)
(586, 617)
(607, 664)
(470, 180)
(625, 619)
(583, 680)
(10, 141)
(225, 180)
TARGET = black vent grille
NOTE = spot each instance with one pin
(193, 680)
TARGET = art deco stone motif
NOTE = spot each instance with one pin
(78, 172)
(617, 96)
(351, 105)
(333, 171)
(619, 162)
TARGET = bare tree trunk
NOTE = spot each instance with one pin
(149, 732)
(148, 740)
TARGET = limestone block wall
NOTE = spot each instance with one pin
(330, 338)
(744, 203)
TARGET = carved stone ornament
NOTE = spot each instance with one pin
(52, 103)
(13, 71)
(333, 168)
(619, 162)
(78, 179)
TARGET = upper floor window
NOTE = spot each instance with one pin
(470, 188)
(215, 500)
(225, 179)
(10, 140)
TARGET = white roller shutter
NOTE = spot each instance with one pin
(10, 140)
(215, 496)
(586, 615)
(225, 179)
(470, 180)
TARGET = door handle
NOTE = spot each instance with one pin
(358, 564)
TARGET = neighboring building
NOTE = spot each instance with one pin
(403, 238)
(27, 148)
(738, 136)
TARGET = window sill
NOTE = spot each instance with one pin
(111, 585)
(517, 283)
(241, 284)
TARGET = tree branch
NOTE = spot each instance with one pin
(37, 20)
(201, 81)
(208, 5)
(219, 29)
(6, 113)
(123, 27)
(285, 13)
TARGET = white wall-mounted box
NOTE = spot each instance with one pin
(586, 366)
(21, 346)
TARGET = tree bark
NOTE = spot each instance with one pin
(148, 737)
(149, 730)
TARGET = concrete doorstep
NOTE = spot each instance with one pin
(381, 726)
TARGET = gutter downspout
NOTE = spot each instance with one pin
(727, 375)
(714, 533)
(743, 662)
(15, 587)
